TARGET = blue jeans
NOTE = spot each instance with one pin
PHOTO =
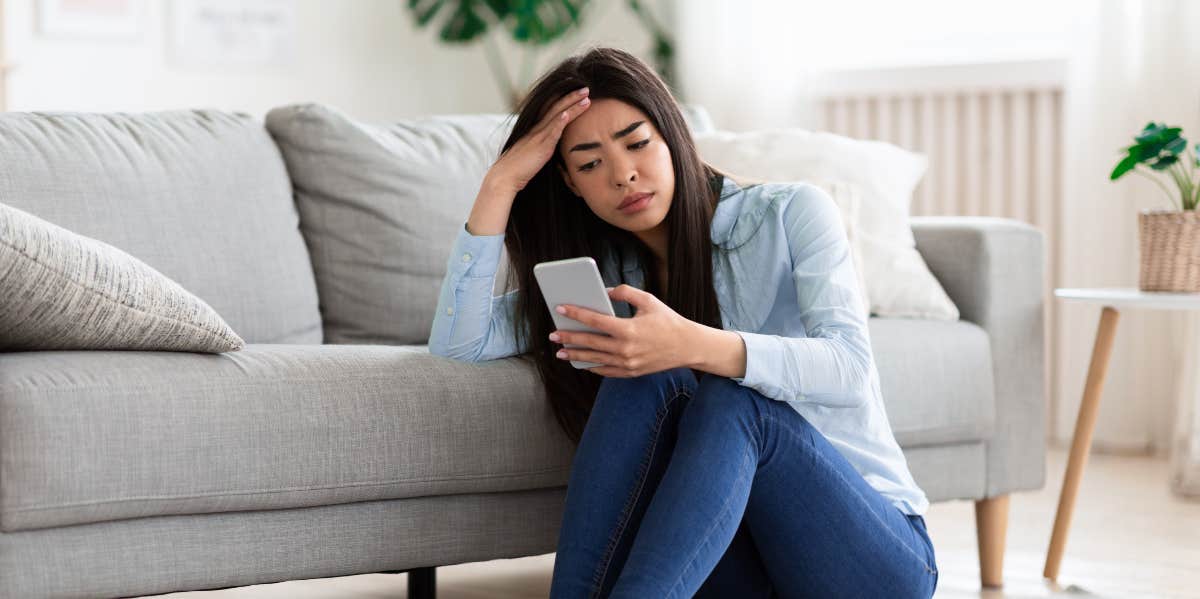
(682, 488)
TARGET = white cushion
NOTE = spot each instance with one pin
(878, 176)
(63, 290)
(848, 197)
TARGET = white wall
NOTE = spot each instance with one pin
(760, 63)
(364, 57)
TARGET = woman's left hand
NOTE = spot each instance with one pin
(656, 339)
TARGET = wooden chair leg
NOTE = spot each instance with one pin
(991, 525)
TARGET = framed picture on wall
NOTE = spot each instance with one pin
(91, 19)
(219, 34)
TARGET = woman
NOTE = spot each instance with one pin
(733, 441)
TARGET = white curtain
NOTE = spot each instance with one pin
(745, 62)
(1185, 448)
(1134, 61)
(4, 68)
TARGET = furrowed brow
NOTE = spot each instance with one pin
(627, 130)
(591, 145)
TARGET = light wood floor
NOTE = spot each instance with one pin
(1130, 538)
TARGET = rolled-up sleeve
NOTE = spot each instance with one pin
(832, 365)
(470, 324)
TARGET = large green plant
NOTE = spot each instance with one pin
(533, 24)
(1160, 150)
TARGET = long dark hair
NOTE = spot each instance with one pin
(549, 222)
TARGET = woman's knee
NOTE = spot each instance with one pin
(722, 399)
(649, 391)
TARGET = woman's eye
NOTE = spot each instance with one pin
(637, 146)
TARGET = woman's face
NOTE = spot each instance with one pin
(614, 155)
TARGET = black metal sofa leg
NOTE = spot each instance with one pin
(422, 583)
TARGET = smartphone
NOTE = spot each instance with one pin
(574, 281)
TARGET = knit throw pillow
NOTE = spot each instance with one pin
(63, 290)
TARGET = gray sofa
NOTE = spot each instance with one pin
(132, 473)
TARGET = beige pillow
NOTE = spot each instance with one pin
(898, 282)
(63, 290)
(848, 198)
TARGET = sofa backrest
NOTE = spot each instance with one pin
(202, 196)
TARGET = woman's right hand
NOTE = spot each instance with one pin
(521, 162)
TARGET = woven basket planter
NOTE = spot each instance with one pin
(1170, 250)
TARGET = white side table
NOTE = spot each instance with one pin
(1110, 298)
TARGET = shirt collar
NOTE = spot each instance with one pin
(726, 213)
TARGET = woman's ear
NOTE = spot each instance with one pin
(567, 179)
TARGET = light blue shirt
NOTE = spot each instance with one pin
(786, 283)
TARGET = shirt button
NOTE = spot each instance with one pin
(450, 311)
(466, 257)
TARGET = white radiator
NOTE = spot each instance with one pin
(993, 151)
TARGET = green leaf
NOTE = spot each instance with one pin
(1197, 153)
(1155, 139)
(537, 22)
(1149, 132)
(464, 25)
(1176, 146)
(1157, 132)
(1165, 162)
(1166, 135)
(1147, 150)
(464, 19)
(540, 22)
(1124, 166)
(425, 9)
(1163, 140)
(500, 7)
(573, 9)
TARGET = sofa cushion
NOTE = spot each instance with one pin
(936, 379)
(379, 207)
(201, 196)
(88, 436)
(66, 291)
(94, 436)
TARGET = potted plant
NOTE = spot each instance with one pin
(1169, 240)
(533, 24)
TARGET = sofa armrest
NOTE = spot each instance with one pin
(993, 269)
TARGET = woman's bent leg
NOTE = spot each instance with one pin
(822, 531)
(617, 465)
(740, 573)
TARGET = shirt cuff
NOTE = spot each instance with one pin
(475, 255)
(764, 365)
